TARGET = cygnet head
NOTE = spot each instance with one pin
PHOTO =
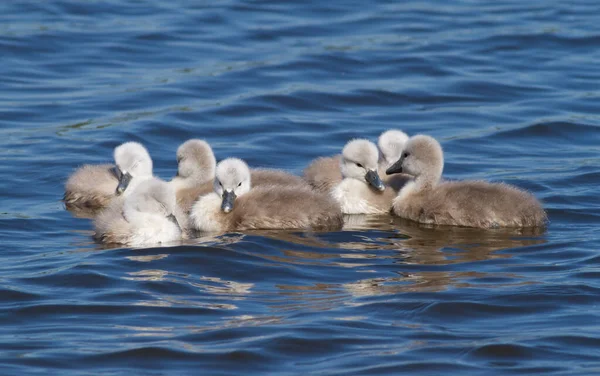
(153, 197)
(422, 157)
(196, 161)
(231, 181)
(359, 161)
(132, 160)
(391, 143)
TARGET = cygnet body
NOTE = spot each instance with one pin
(236, 205)
(146, 216)
(324, 173)
(458, 203)
(361, 191)
(94, 186)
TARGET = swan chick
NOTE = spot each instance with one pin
(94, 186)
(361, 191)
(134, 165)
(390, 143)
(146, 216)
(236, 205)
(324, 173)
(458, 203)
(196, 166)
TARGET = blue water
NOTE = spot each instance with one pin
(510, 88)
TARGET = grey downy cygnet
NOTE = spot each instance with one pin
(426, 199)
(324, 173)
(361, 190)
(391, 143)
(236, 205)
(260, 176)
(196, 166)
(94, 186)
(147, 216)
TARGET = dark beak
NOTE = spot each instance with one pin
(396, 168)
(124, 180)
(228, 200)
(373, 178)
(173, 219)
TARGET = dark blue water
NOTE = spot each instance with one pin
(510, 88)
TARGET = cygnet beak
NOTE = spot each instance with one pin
(228, 200)
(173, 219)
(396, 168)
(373, 178)
(124, 180)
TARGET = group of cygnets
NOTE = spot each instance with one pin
(399, 175)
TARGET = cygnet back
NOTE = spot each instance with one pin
(323, 173)
(91, 187)
(285, 207)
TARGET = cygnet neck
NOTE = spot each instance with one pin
(429, 179)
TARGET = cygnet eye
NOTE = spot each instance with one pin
(220, 185)
(239, 185)
(359, 165)
(405, 155)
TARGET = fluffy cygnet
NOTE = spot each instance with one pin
(94, 186)
(146, 216)
(196, 164)
(361, 191)
(259, 176)
(236, 205)
(459, 203)
(195, 172)
(324, 173)
(391, 143)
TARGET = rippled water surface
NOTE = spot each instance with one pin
(510, 88)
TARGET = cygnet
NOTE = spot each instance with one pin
(259, 176)
(361, 191)
(196, 166)
(146, 216)
(324, 173)
(458, 203)
(236, 205)
(390, 144)
(94, 186)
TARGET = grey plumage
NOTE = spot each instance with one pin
(323, 173)
(91, 187)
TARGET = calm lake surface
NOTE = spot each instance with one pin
(510, 88)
